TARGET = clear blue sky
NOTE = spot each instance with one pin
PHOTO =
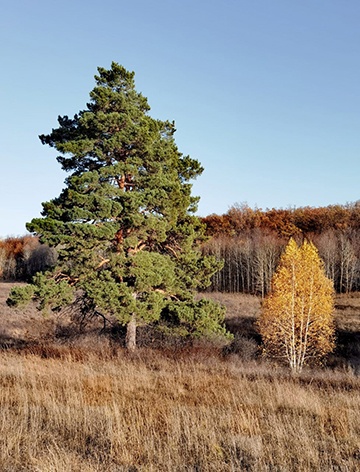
(265, 93)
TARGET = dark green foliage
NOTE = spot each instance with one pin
(197, 318)
(21, 295)
(124, 226)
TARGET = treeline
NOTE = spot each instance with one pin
(250, 242)
(23, 257)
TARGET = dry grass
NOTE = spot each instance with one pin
(87, 405)
(243, 311)
(74, 409)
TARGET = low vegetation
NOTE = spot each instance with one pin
(83, 403)
(95, 409)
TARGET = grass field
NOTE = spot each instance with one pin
(87, 405)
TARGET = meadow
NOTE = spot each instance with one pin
(85, 404)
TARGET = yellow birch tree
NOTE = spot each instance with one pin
(296, 323)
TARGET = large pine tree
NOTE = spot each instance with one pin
(124, 226)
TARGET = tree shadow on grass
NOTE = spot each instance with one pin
(347, 351)
(247, 341)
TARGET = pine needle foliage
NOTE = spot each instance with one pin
(296, 323)
(124, 226)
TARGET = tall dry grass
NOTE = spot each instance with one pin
(95, 408)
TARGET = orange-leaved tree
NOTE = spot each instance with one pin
(296, 323)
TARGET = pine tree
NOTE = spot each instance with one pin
(124, 226)
(296, 323)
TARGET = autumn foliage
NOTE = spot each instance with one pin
(249, 241)
(287, 222)
(296, 323)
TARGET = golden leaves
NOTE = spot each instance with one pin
(296, 322)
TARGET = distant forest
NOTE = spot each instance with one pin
(249, 241)
(23, 257)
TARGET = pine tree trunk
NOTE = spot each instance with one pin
(130, 341)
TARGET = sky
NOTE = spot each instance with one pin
(264, 93)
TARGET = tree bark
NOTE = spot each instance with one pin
(130, 341)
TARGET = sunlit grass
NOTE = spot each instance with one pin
(72, 409)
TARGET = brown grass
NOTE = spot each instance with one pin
(87, 405)
(73, 409)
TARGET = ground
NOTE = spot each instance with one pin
(82, 403)
(23, 326)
